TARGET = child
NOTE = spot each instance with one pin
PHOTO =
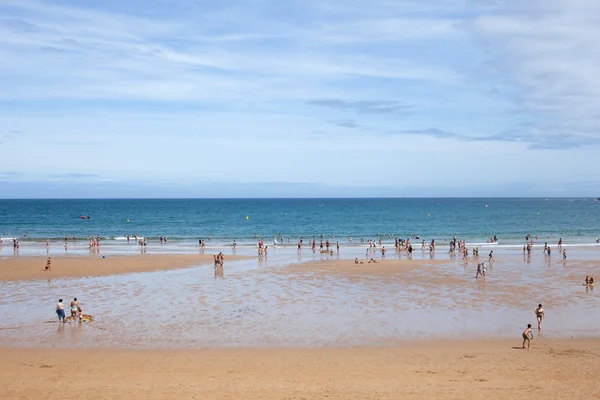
(478, 271)
(48, 266)
(587, 281)
(527, 336)
(80, 313)
(592, 281)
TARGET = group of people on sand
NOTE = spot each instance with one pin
(589, 281)
(76, 311)
(372, 260)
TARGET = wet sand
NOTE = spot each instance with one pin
(270, 303)
(557, 369)
(23, 268)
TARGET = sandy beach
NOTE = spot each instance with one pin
(557, 369)
(20, 268)
(315, 329)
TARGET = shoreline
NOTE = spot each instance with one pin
(20, 268)
(439, 369)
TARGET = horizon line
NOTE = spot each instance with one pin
(299, 198)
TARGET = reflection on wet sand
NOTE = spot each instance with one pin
(332, 302)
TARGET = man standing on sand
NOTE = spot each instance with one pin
(539, 313)
(527, 336)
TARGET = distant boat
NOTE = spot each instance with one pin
(84, 216)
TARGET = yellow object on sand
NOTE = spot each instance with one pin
(84, 318)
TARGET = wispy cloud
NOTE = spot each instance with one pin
(364, 106)
(186, 88)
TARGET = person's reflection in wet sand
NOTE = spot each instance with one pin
(219, 273)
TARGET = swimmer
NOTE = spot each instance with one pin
(539, 313)
(527, 336)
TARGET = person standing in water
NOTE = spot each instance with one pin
(539, 313)
(74, 308)
(60, 311)
(491, 257)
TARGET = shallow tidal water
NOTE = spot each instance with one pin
(268, 304)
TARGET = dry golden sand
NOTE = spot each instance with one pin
(552, 369)
(20, 268)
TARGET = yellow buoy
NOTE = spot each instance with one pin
(247, 217)
(429, 215)
(127, 221)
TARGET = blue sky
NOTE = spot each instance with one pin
(260, 98)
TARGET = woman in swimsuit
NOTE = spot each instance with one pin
(539, 313)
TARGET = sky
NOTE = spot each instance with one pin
(272, 98)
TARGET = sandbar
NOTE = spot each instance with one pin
(14, 268)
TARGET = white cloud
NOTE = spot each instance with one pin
(169, 78)
(547, 53)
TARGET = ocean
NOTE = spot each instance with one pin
(475, 220)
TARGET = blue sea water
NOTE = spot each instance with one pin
(576, 220)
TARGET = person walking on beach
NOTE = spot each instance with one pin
(48, 266)
(491, 257)
(527, 336)
(478, 271)
(60, 311)
(539, 314)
